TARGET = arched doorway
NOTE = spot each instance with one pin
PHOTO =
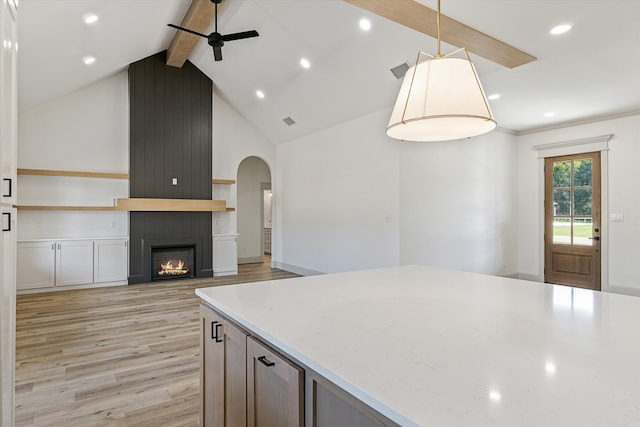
(254, 224)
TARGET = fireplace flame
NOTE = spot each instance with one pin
(169, 269)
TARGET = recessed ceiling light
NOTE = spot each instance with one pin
(305, 63)
(88, 60)
(260, 94)
(365, 24)
(550, 367)
(549, 114)
(494, 96)
(560, 29)
(90, 18)
(494, 396)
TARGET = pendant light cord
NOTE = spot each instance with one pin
(438, 26)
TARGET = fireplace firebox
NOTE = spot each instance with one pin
(173, 262)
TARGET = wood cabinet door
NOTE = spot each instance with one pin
(223, 362)
(274, 389)
(328, 406)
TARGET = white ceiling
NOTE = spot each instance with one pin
(592, 71)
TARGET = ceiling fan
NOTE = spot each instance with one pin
(215, 39)
(415, 15)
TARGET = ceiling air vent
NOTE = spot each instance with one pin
(400, 70)
(289, 121)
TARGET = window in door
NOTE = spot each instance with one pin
(573, 202)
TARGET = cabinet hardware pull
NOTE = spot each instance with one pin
(8, 216)
(218, 335)
(265, 361)
(9, 180)
(213, 330)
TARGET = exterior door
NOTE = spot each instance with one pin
(572, 220)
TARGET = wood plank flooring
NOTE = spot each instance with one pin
(116, 356)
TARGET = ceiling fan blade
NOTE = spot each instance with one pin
(415, 15)
(217, 53)
(238, 36)
(188, 30)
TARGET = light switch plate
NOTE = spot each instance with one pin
(617, 217)
(174, 181)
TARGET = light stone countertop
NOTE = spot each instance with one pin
(432, 347)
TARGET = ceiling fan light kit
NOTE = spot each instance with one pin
(441, 99)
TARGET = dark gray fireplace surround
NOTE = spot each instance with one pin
(170, 139)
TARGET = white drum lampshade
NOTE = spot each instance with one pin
(440, 100)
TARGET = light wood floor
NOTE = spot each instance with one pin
(117, 356)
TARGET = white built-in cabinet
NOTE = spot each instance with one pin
(8, 161)
(46, 264)
(225, 254)
(74, 262)
(110, 260)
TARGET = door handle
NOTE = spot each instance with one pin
(595, 238)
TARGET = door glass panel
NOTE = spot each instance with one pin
(582, 202)
(582, 231)
(582, 173)
(562, 174)
(573, 202)
(562, 230)
(561, 202)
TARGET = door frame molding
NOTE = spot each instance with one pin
(567, 148)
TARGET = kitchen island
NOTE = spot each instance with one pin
(422, 346)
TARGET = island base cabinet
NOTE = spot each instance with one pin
(330, 406)
(223, 374)
(275, 388)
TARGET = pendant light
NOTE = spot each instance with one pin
(441, 99)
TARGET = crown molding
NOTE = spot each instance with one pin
(567, 124)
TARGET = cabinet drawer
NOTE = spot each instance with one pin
(275, 388)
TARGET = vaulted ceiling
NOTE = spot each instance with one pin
(591, 71)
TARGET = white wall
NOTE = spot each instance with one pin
(336, 199)
(234, 139)
(623, 176)
(87, 130)
(252, 172)
(458, 204)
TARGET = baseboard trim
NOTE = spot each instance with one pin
(251, 260)
(624, 290)
(70, 288)
(296, 269)
(530, 277)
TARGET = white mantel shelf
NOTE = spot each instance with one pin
(431, 347)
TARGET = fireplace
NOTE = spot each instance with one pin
(173, 262)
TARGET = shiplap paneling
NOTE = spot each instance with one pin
(170, 137)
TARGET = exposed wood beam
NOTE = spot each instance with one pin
(417, 16)
(198, 18)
